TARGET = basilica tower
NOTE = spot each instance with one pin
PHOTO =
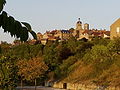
(78, 24)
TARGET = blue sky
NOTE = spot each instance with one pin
(62, 14)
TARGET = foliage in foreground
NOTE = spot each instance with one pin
(73, 61)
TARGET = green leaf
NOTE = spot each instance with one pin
(27, 25)
(11, 22)
(6, 25)
(30, 30)
(12, 25)
(24, 34)
(1, 21)
(4, 21)
(4, 17)
(18, 28)
(34, 35)
(2, 3)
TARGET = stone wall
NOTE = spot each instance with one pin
(71, 86)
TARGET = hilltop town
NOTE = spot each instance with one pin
(81, 31)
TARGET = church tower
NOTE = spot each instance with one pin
(77, 29)
(78, 24)
(86, 26)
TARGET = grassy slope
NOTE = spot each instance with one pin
(88, 74)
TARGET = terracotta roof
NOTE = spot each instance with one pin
(53, 32)
(107, 33)
(97, 32)
(38, 33)
(90, 32)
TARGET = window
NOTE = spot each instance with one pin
(118, 29)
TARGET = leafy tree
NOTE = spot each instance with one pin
(64, 68)
(26, 51)
(16, 29)
(98, 53)
(72, 44)
(8, 73)
(114, 46)
(5, 47)
(83, 48)
(50, 57)
(31, 69)
(22, 51)
(63, 52)
(36, 50)
(100, 41)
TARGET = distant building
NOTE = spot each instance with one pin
(63, 34)
(44, 41)
(86, 26)
(39, 36)
(81, 31)
(87, 33)
(115, 29)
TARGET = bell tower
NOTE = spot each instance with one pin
(78, 24)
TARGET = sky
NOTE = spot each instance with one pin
(45, 15)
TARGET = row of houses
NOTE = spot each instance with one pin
(79, 32)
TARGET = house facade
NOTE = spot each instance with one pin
(115, 29)
(63, 34)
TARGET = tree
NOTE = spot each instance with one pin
(114, 46)
(16, 29)
(31, 69)
(72, 44)
(63, 52)
(98, 53)
(8, 73)
(64, 68)
(27, 51)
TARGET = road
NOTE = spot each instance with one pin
(37, 88)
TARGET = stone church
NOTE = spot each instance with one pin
(82, 31)
(78, 32)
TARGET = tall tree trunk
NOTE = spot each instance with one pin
(35, 84)
(21, 84)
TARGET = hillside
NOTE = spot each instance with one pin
(87, 62)
(99, 66)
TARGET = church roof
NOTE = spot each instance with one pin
(79, 22)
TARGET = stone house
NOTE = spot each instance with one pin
(39, 36)
(115, 29)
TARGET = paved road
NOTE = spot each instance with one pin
(38, 88)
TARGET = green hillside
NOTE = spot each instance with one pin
(96, 61)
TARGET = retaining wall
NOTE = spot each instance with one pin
(71, 86)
